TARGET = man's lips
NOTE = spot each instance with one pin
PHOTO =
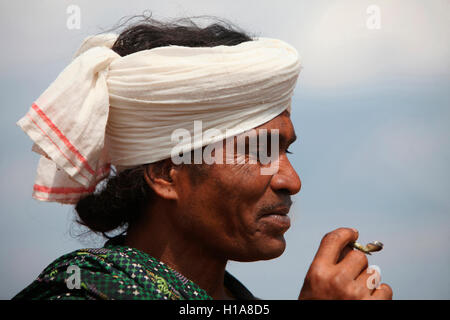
(277, 220)
(282, 211)
(277, 209)
(276, 216)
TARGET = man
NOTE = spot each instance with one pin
(181, 220)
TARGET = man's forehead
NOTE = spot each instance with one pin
(282, 123)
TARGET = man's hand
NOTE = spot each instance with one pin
(339, 272)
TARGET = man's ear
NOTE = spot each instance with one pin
(161, 177)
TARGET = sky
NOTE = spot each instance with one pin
(371, 111)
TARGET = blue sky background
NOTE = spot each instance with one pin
(371, 110)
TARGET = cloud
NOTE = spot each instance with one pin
(405, 157)
(342, 51)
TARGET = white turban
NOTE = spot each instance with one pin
(106, 109)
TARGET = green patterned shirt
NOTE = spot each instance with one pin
(118, 272)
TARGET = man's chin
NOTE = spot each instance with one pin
(274, 248)
(265, 250)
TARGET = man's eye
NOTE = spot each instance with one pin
(288, 152)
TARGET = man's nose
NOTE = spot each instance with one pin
(286, 178)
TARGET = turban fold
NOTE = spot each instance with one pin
(106, 109)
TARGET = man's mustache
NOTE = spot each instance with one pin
(281, 207)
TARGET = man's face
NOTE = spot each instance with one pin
(234, 211)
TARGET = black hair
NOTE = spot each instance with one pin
(121, 199)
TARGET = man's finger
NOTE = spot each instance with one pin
(384, 292)
(333, 243)
(344, 253)
(354, 263)
(366, 280)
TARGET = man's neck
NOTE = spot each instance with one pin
(157, 237)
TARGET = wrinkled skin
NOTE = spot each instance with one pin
(205, 215)
(339, 272)
(224, 210)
